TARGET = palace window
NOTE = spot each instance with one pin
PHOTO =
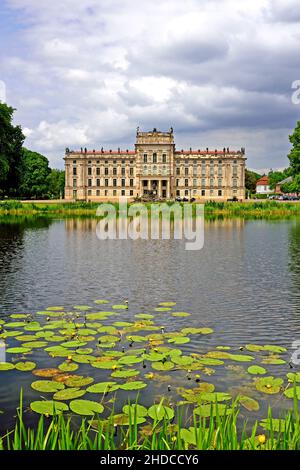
(186, 182)
(98, 192)
(114, 162)
(114, 182)
(74, 183)
(186, 192)
(106, 182)
(114, 192)
(131, 192)
(203, 182)
(186, 171)
(131, 171)
(105, 192)
(220, 182)
(164, 158)
(74, 162)
(178, 171)
(123, 182)
(123, 162)
(89, 171)
(89, 192)
(123, 171)
(106, 162)
(219, 192)
(131, 182)
(178, 192)
(106, 170)
(177, 182)
(154, 158)
(74, 171)
(194, 182)
(98, 182)
(211, 182)
(114, 171)
(234, 182)
(90, 162)
(89, 182)
(98, 171)
(145, 158)
(203, 192)
(123, 192)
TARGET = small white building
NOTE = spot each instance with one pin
(262, 186)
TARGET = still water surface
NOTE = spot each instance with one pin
(244, 283)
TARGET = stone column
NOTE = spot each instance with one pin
(159, 188)
(168, 188)
(149, 186)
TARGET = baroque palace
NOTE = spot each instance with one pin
(155, 169)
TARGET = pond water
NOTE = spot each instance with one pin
(244, 284)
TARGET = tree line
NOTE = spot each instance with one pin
(24, 173)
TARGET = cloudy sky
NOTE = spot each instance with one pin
(88, 72)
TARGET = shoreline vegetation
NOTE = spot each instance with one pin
(257, 209)
(219, 431)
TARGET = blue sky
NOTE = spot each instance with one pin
(88, 72)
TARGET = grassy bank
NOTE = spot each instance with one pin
(220, 431)
(243, 209)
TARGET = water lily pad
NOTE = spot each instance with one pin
(47, 386)
(162, 309)
(19, 315)
(25, 366)
(15, 324)
(73, 344)
(69, 394)
(130, 360)
(120, 307)
(293, 376)
(241, 358)
(293, 391)
(213, 409)
(273, 361)
(144, 316)
(17, 350)
(103, 387)
(101, 301)
(6, 366)
(167, 365)
(275, 349)
(35, 344)
(214, 396)
(194, 395)
(79, 381)
(83, 358)
(104, 364)
(182, 360)
(83, 308)
(249, 403)
(181, 314)
(125, 420)
(124, 374)
(51, 372)
(135, 410)
(154, 356)
(254, 347)
(11, 334)
(159, 412)
(55, 308)
(86, 407)
(277, 425)
(48, 407)
(256, 370)
(167, 304)
(68, 367)
(269, 385)
(135, 385)
(179, 340)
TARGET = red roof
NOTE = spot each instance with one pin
(263, 181)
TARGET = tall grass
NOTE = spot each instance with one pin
(217, 432)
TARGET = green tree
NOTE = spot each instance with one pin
(277, 176)
(293, 186)
(250, 180)
(56, 183)
(294, 155)
(11, 141)
(34, 172)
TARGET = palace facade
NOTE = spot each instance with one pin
(154, 168)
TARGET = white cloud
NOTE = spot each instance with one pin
(87, 73)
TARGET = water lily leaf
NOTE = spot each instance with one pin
(249, 403)
(68, 367)
(130, 360)
(124, 374)
(144, 316)
(214, 396)
(14, 324)
(26, 338)
(159, 412)
(79, 381)
(136, 338)
(179, 340)
(293, 376)
(272, 361)
(6, 366)
(20, 350)
(109, 339)
(25, 366)
(119, 324)
(103, 387)
(11, 334)
(168, 365)
(33, 326)
(213, 409)
(224, 348)
(83, 308)
(101, 301)
(135, 385)
(84, 351)
(291, 392)
(19, 315)
(69, 394)
(275, 349)
(256, 370)
(125, 420)
(167, 304)
(105, 364)
(191, 331)
(182, 360)
(98, 315)
(189, 436)
(73, 344)
(162, 309)
(254, 347)
(135, 410)
(120, 307)
(194, 395)
(180, 314)
(35, 344)
(47, 386)
(277, 425)
(54, 309)
(268, 385)
(86, 332)
(154, 356)
(48, 407)
(86, 407)
(46, 372)
(83, 358)
(209, 361)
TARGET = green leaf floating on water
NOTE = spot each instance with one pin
(55, 309)
(103, 387)
(124, 374)
(293, 376)
(194, 395)
(159, 412)
(47, 386)
(269, 385)
(179, 340)
(69, 394)
(68, 367)
(144, 316)
(120, 307)
(293, 391)
(249, 403)
(83, 308)
(182, 360)
(181, 314)
(130, 360)
(206, 411)
(35, 344)
(25, 366)
(167, 365)
(136, 385)
(48, 407)
(101, 301)
(256, 370)
(162, 309)
(167, 304)
(17, 350)
(135, 410)
(6, 366)
(105, 364)
(19, 315)
(79, 381)
(277, 425)
(14, 324)
(214, 396)
(125, 420)
(86, 407)
(273, 360)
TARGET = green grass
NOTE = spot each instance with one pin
(220, 432)
(240, 209)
